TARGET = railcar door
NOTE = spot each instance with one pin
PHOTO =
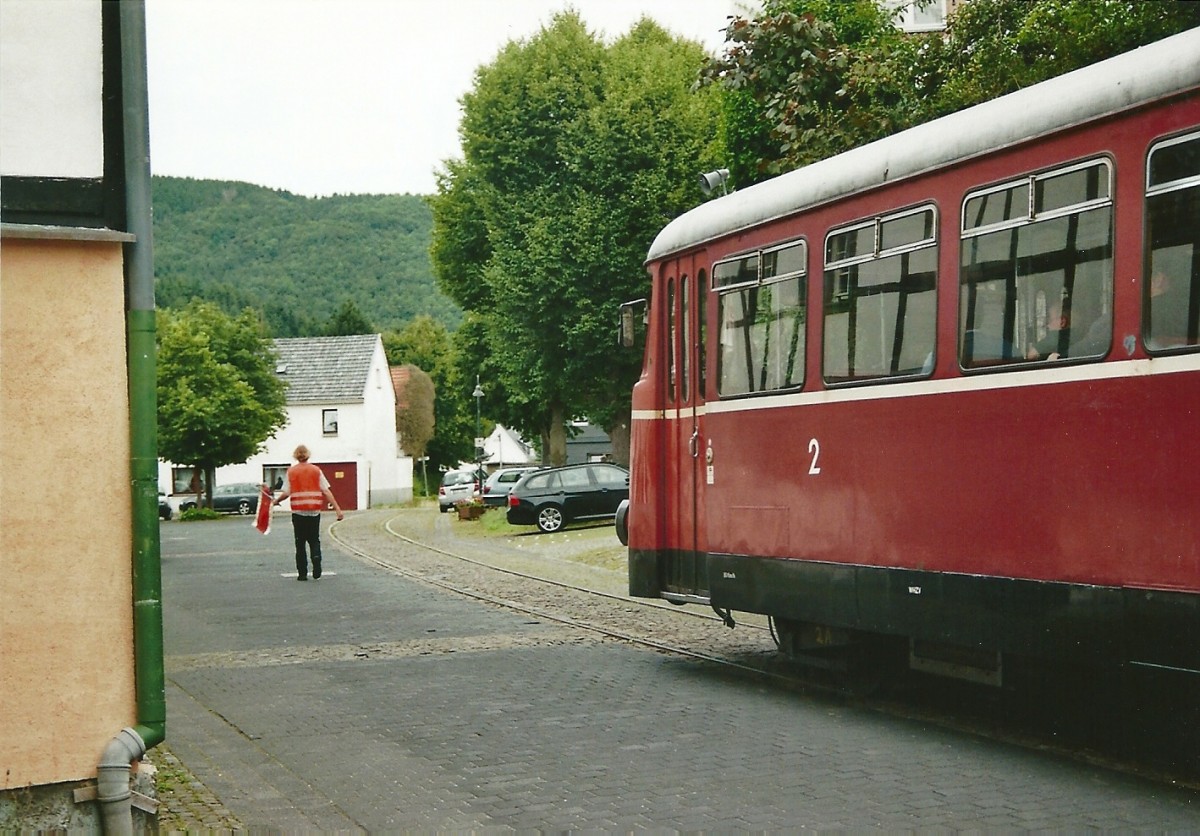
(684, 572)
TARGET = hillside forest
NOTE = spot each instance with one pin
(300, 261)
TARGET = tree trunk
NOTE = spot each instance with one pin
(210, 472)
(618, 433)
(558, 435)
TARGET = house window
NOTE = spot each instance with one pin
(186, 480)
(273, 475)
(329, 421)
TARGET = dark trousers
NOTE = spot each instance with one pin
(307, 530)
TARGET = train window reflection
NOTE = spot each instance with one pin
(1172, 287)
(881, 306)
(1039, 287)
(761, 339)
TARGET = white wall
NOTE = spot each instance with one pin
(51, 85)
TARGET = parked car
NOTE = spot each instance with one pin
(164, 507)
(456, 485)
(497, 486)
(240, 497)
(553, 497)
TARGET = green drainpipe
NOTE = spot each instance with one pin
(143, 402)
(147, 574)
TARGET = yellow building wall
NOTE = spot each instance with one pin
(66, 621)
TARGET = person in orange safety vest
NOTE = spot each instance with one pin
(308, 490)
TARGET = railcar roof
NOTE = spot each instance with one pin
(1142, 75)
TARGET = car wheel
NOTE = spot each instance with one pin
(165, 513)
(549, 518)
(443, 508)
(244, 507)
(187, 506)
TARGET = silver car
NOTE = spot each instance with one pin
(457, 485)
(497, 486)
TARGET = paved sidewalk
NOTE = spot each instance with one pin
(366, 701)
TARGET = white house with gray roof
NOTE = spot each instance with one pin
(340, 403)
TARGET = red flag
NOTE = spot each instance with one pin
(262, 520)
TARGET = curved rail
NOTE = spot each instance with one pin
(529, 609)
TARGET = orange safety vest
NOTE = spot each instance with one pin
(304, 479)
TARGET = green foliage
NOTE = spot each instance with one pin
(298, 260)
(575, 155)
(415, 415)
(199, 515)
(808, 79)
(427, 345)
(787, 71)
(348, 320)
(218, 396)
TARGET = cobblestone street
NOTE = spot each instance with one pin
(370, 701)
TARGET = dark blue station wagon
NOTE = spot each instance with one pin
(553, 497)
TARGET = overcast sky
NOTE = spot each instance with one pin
(323, 97)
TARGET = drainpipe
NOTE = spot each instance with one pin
(149, 682)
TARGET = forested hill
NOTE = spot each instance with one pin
(298, 259)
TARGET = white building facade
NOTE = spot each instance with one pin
(341, 404)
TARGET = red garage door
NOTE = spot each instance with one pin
(343, 482)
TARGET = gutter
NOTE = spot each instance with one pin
(131, 744)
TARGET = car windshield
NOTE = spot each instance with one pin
(457, 478)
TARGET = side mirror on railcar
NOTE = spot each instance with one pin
(631, 326)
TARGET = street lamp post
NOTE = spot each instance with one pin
(478, 395)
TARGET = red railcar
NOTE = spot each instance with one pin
(943, 391)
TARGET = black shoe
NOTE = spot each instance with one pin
(302, 578)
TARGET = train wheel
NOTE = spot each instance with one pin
(550, 518)
(853, 663)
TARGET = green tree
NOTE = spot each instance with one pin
(426, 344)
(998, 46)
(785, 71)
(574, 155)
(218, 396)
(347, 321)
(414, 411)
(808, 79)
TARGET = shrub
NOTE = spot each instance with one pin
(199, 514)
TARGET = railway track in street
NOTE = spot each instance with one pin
(553, 589)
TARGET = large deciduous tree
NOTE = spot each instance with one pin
(575, 154)
(219, 398)
(808, 79)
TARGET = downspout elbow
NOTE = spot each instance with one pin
(112, 781)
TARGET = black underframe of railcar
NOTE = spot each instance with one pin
(1040, 619)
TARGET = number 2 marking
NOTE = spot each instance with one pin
(814, 447)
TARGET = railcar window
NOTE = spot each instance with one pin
(741, 270)
(672, 341)
(1172, 287)
(880, 297)
(702, 348)
(762, 324)
(686, 344)
(1036, 275)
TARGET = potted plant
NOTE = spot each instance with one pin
(470, 509)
